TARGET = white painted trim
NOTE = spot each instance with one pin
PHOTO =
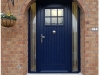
(54, 74)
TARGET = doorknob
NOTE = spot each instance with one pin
(42, 37)
(54, 32)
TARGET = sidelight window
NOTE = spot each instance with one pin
(74, 37)
(33, 37)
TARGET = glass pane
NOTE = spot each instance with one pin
(60, 21)
(47, 12)
(33, 36)
(60, 12)
(47, 21)
(53, 12)
(54, 21)
(74, 38)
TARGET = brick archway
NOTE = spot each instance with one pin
(26, 5)
(83, 23)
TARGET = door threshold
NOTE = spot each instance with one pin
(54, 74)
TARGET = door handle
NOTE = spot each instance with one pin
(42, 37)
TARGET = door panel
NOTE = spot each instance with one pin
(54, 48)
(54, 52)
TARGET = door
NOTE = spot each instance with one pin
(54, 37)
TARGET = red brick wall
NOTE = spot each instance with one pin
(89, 38)
(14, 40)
(82, 37)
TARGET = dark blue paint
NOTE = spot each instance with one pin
(38, 38)
(69, 29)
(55, 53)
(79, 63)
(29, 59)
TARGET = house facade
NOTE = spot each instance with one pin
(58, 36)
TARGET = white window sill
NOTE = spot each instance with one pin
(54, 74)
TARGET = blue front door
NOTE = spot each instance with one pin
(54, 37)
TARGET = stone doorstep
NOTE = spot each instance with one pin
(54, 74)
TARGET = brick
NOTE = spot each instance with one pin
(15, 44)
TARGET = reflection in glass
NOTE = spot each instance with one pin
(53, 12)
(60, 20)
(60, 12)
(33, 36)
(47, 12)
(47, 21)
(74, 38)
(54, 21)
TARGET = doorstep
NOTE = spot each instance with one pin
(54, 74)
